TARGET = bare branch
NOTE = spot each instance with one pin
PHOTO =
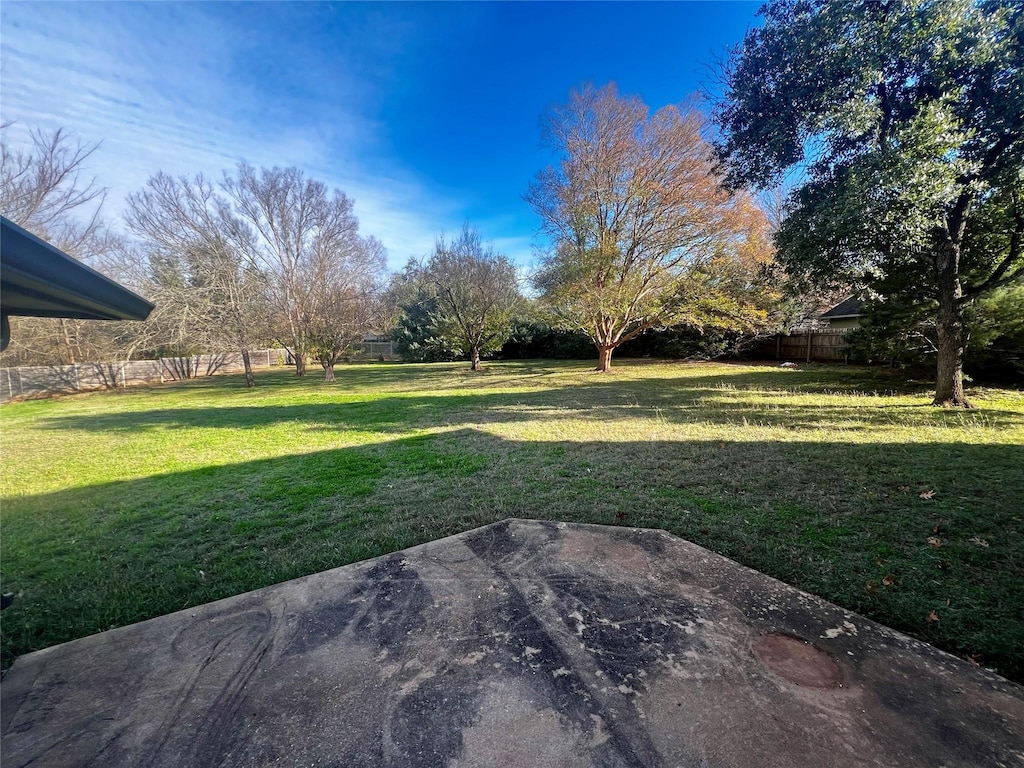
(307, 243)
(45, 189)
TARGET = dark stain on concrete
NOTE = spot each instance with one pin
(535, 656)
(319, 627)
(935, 735)
(385, 607)
(426, 726)
(625, 631)
(494, 543)
(398, 600)
(652, 542)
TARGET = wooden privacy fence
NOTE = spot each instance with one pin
(822, 346)
(45, 380)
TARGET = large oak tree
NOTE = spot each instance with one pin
(643, 235)
(907, 117)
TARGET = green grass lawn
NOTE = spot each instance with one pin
(843, 481)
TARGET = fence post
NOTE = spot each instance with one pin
(809, 335)
(78, 382)
(124, 382)
(10, 383)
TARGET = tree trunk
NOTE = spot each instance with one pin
(328, 369)
(604, 359)
(250, 382)
(949, 381)
(300, 364)
(67, 341)
(474, 359)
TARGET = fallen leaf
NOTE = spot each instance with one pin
(935, 528)
(879, 561)
(889, 580)
(973, 659)
(979, 542)
(871, 587)
(935, 541)
(620, 516)
(926, 495)
(933, 616)
(902, 488)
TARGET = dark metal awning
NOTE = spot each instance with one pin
(39, 280)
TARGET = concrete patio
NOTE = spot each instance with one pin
(518, 644)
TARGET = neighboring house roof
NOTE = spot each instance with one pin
(851, 307)
(39, 280)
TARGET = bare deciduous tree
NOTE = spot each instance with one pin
(643, 235)
(302, 238)
(209, 294)
(46, 189)
(348, 305)
(477, 293)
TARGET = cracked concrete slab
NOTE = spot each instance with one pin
(519, 644)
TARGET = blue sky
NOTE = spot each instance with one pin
(426, 114)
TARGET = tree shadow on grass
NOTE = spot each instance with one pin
(393, 376)
(676, 377)
(684, 402)
(835, 518)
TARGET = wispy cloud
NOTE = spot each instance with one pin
(194, 88)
